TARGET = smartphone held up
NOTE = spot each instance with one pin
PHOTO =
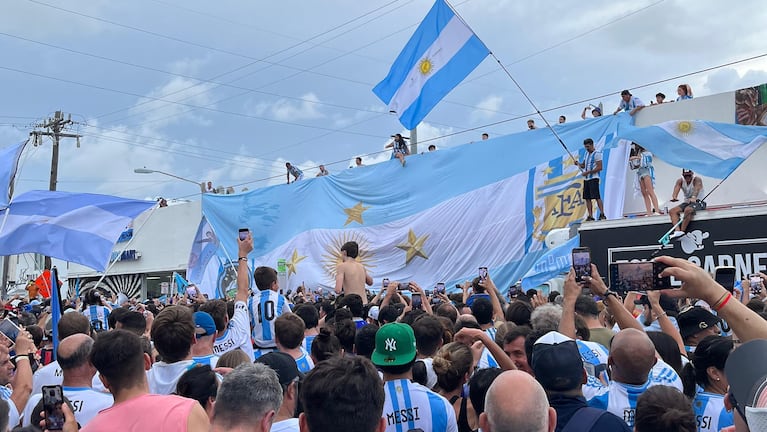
(638, 276)
(581, 263)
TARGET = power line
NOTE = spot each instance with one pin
(206, 108)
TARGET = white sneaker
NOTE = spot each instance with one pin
(677, 234)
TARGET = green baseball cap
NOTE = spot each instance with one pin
(395, 345)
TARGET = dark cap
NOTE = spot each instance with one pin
(625, 92)
(686, 171)
(747, 375)
(557, 362)
(283, 364)
(695, 320)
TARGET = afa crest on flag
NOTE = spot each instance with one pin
(441, 53)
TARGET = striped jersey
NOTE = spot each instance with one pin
(620, 399)
(97, 316)
(710, 412)
(307, 343)
(210, 360)
(85, 401)
(486, 360)
(410, 406)
(304, 363)
(594, 357)
(590, 163)
(265, 307)
(237, 333)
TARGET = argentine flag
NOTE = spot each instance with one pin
(488, 204)
(9, 161)
(552, 264)
(439, 55)
(708, 148)
(74, 227)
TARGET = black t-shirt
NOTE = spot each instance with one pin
(567, 406)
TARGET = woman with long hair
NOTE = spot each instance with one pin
(453, 364)
(641, 161)
(684, 91)
(705, 382)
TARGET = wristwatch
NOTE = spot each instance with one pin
(610, 293)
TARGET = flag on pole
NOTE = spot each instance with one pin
(74, 227)
(440, 54)
(181, 283)
(551, 264)
(55, 309)
(9, 162)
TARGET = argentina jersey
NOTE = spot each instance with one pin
(85, 401)
(663, 374)
(710, 412)
(265, 307)
(619, 399)
(237, 333)
(486, 360)
(210, 360)
(304, 363)
(410, 406)
(307, 343)
(594, 357)
(97, 316)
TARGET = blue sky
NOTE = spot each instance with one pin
(259, 83)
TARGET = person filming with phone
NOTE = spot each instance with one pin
(692, 188)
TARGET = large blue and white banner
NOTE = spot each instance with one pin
(437, 219)
(552, 264)
(9, 162)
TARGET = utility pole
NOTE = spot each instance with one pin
(54, 128)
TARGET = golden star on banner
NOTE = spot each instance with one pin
(414, 246)
(294, 260)
(548, 170)
(354, 214)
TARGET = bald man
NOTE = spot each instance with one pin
(73, 357)
(516, 402)
(631, 361)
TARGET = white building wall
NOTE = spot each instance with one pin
(163, 237)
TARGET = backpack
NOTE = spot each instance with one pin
(584, 419)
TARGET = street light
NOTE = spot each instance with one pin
(151, 171)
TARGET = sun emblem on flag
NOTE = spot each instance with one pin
(684, 127)
(332, 256)
(425, 66)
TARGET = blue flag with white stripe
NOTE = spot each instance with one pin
(708, 148)
(551, 264)
(440, 54)
(74, 227)
(181, 283)
(489, 204)
(9, 161)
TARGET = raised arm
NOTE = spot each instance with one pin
(697, 283)
(243, 279)
(665, 323)
(468, 336)
(489, 286)
(572, 291)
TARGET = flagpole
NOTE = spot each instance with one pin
(56, 309)
(538, 111)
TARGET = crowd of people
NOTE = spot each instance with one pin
(397, 357)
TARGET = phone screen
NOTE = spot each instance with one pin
(53, 399)
(417, 301)
(482, 273)
(385, 282)
(725, 276)
(638, 276)
(440, 288)
(243, 233)
(756, 284)
(581, 263)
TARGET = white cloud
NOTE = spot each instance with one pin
(291, 110)
(159, 113)
(487, 108)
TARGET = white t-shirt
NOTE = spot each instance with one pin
(289, 425)
(86, 402)
(51, 374)
(237, 334)
(163, 377)
(210, 360)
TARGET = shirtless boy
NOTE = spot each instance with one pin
(351, 276)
